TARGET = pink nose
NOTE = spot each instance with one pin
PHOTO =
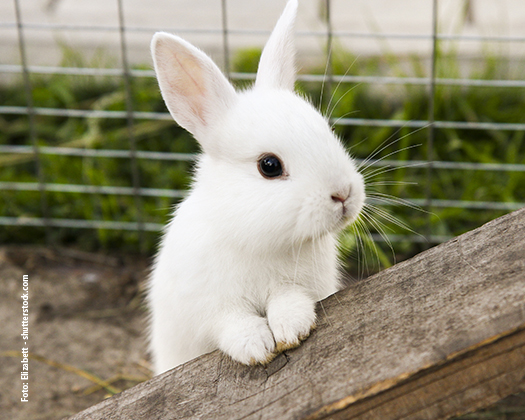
(339, 197)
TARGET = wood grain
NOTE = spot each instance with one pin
(435, 336)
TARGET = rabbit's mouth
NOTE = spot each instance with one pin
(347, 207)
(348, 213)
(342, 213)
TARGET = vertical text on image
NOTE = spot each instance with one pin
(24, 374)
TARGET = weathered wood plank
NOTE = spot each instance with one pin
(470, 379)
(429, 338)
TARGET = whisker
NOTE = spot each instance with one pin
(355, 145)
(339, 301)
(329, 114)
(361, 227)
(328, 57)
(383, 170)
(372, 162)
(343, 116)
(385, 183)
(356, 232)
(392, 219)
(373, 216)
(390, 199)
(341, 98)
(354, 250)
(381, 229)
(383, 146)
(371, 244)
(385, 215)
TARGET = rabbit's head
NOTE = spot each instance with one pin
(272, 171)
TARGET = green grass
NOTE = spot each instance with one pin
(362, 101)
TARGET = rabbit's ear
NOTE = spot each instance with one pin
(277, 65)
(194, 89)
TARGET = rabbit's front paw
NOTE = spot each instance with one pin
(291, 318)
(248, 340)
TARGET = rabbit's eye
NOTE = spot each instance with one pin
(270, 166)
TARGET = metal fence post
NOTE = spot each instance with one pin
(130, 127)
(329, 72)
(431, 120)
(225, 42)
(32, 124)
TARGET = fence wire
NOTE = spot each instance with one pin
(130, 115)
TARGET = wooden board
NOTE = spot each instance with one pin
(435, 336)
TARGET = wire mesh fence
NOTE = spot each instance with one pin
(150, 201)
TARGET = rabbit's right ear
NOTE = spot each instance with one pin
(194, 89)
(277, 65)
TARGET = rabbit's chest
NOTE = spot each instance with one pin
(313, 271)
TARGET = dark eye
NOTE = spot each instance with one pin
(270, 166)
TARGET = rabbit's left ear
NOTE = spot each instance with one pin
(194, 89)
(277, 65)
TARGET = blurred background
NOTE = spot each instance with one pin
(428, 96)
(434, 98)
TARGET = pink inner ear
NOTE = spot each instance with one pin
(194, 89)
(193, 76)
(187, 82)
(182, 83)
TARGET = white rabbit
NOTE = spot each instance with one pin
(253, 247)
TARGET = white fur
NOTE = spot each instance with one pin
(245, 258)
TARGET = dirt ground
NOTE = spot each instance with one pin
(86, 317)
(86, 326)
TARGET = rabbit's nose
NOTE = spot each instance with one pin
(340, 197)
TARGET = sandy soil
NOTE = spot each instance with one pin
(85, 313)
